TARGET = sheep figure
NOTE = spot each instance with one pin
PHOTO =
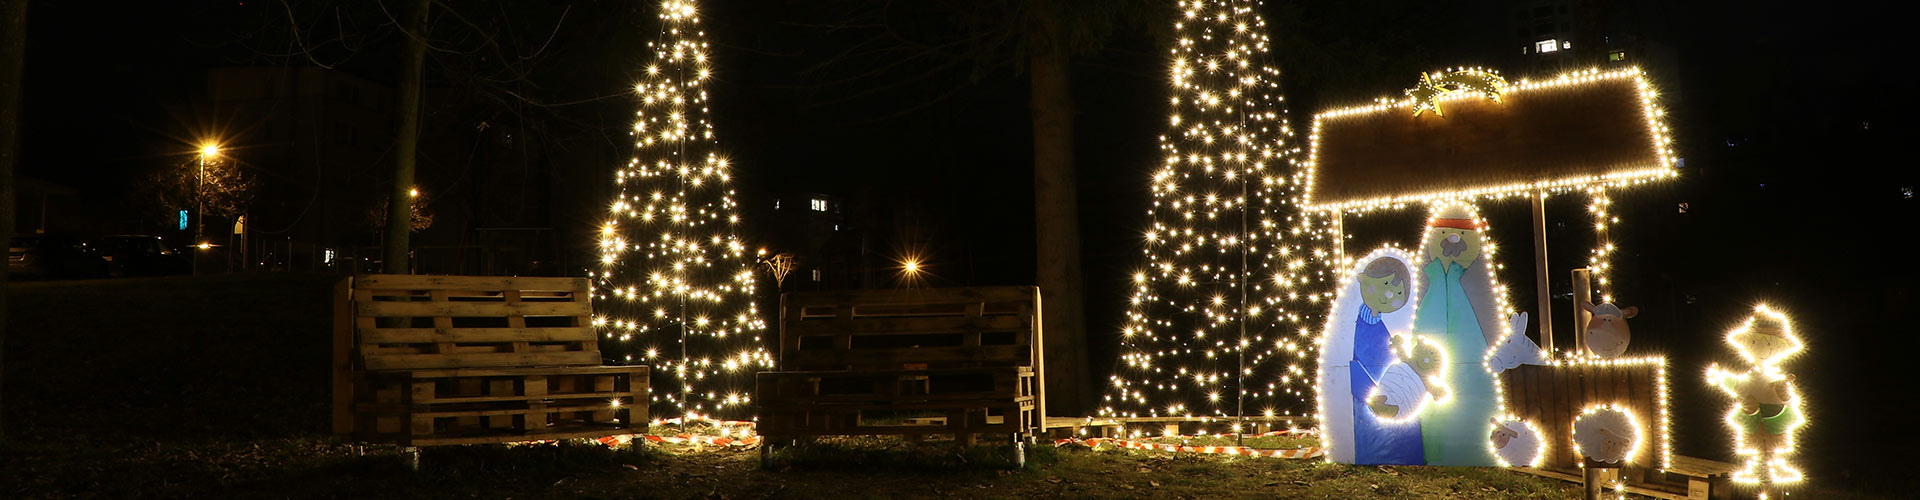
(1607, 332)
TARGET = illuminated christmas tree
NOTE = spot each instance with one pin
(676, 287)
(1221, 318)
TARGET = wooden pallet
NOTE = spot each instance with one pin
(1552, 396)
(810, 387)
(1687, 478)
(964, 420)
(432, 360)
(960, 361)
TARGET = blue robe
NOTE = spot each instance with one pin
(1455, 432)
(1377, 442)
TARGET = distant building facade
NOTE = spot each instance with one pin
(1555, 36)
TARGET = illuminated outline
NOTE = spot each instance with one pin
(1662, 142)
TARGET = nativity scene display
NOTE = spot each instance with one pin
(1424, 361)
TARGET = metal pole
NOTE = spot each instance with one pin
(1240, 377)
(199, 212)
(1539, 199)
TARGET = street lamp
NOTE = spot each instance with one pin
(200, 196)
(912, 270)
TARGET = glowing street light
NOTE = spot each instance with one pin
(912, 272)
(207, 151)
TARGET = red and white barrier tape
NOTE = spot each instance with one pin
(696, 418)
(1309, 452)
(623, 439)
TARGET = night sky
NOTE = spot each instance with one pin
(1795, 121)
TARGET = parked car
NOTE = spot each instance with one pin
(53, 256)
(142, 255)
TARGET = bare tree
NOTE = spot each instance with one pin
(515, 74)
(218, 185)
(406, 129)
(1056, 221)
(13, 55)
(909, 43)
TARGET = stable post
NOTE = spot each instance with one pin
(1545, 315)
(1582, 291)
(1590, 483)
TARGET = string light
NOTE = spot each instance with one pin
(1598, 414)
(1426, 95)
(1598, 263)
(1528, 432)
(1489, 258)
(675, 282)
(1332, 354)
(1476, 83)
(1763, 349)
(1219, 319)
(1662, 167)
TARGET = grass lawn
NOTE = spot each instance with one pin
(217, 387)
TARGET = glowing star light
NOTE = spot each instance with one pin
(1426, 95)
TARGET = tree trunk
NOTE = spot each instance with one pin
(1056, 216)
(406, 129)
(13, 56)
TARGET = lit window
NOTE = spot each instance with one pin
(1618, 55)
(776, 203)
(1566, 45)
(816, 275)
(819, 205)
(1545, 46)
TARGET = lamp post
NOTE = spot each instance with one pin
(200, 211)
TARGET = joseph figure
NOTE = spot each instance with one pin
(1457, 305)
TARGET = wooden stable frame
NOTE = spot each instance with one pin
(1552, 397)
(959, 361)
(441, 360)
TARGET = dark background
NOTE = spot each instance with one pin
(1795, 122)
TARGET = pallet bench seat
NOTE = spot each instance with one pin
(956, 361)
(446, 360)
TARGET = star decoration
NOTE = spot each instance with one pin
(1426, 95)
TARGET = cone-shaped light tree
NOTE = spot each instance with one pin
(1219, 321)
(675, 288)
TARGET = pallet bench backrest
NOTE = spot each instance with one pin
(406, 322)
(910, 329)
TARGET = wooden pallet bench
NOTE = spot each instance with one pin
(1687, 478)
(957, 361)
(444, 360)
